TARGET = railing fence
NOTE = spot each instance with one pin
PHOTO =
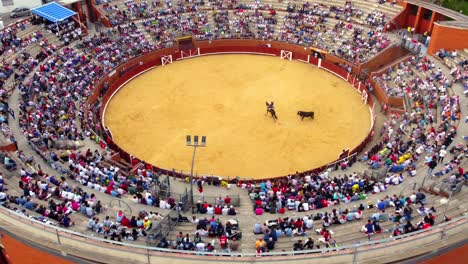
(441, 231)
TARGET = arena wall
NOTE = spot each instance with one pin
(387, 56)
(447, 37)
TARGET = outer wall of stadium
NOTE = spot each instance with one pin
(447, 32)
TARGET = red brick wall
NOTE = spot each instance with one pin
(448, 38)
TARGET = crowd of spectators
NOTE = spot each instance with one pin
(309, 25)
(222, 206)
(227, 234)
(398, 209)
(427, 128)
(354, 34)
(11, 43)
(310, 192)
(124, 228)
(165, 27)
(458, 65)
(50, 200)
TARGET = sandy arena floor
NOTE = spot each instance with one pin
(223, 97)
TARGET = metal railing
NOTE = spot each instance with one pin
(357, 248)
(162, 228)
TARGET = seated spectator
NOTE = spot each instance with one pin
(270, 245)
(309, 243)
(234, 245)
(257, 228)
(298, 246)
(260, 245)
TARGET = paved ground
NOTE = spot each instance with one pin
(7, 20)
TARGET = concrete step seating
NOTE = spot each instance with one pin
(350, 233)
(29, 29)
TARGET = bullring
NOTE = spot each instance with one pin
(63, 167)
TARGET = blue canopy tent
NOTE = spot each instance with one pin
(53, 12)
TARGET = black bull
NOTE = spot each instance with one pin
(304, 114)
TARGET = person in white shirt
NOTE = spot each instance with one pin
(225, 210)
(210, 210)
(442, 154)
(200, 246)
(194, 220)
(309, 223)
(91, 223)
(3, 197)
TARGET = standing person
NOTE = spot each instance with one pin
(432, 164)
(270, 106)
(442, 154)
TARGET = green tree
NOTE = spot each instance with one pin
(456, 5)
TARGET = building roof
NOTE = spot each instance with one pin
(53, 12)
(439, 9)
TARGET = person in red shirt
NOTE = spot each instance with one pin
(125, 222)
(258, 203)
(223, 241)
(298, 223)
(324, 203)
(326, 236)
(217, 210)
(109, 189)
(227, 200)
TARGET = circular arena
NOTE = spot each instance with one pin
(223, 99)
(335, 131)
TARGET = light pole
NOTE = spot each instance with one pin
(195, 144)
